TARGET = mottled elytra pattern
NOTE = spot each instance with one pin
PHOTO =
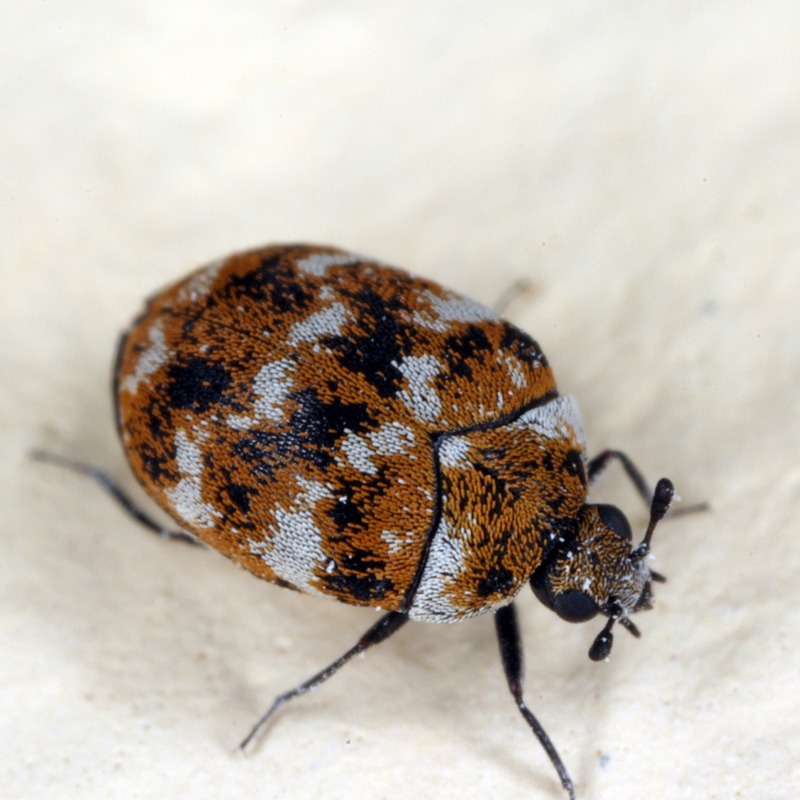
(341, 427)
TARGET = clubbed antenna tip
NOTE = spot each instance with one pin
(662, 497)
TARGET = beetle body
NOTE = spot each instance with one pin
(340, 427)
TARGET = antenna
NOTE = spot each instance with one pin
(662, 497)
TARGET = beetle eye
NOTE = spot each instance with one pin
(613, 518)
(575, 606)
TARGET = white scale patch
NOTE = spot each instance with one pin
(327, 322)
(188, 455)
(393, 438)
(452, 308)
(515, 371)
(293, 546)
(445, 561)
(150, 360)
(318, 263)
(273, 385)
(453, 452)
(187, 495)
(420, 396)
(199, 285)
(358, 454)
(558, 419)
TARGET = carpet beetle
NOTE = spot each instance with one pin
(343, 428)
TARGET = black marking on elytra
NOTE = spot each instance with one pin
(325, 423)
(196, 383)
(236, 496)
(521, 345)
(346, 511)
(274, 283)
(264, 452)
(159, 419)
(381, 342)
(465, 350)
(159, 457)
(270, 451)
(356, 576)
(311, 435)
(157, 465)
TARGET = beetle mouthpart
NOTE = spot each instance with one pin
(659, 506)
(645, 602)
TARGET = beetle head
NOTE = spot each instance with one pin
(600, 571)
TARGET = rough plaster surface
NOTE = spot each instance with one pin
(638, 163)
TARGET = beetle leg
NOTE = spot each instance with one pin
(600, 462)
(113, 488)
(520, 287)
(382, 629)
(505, 620)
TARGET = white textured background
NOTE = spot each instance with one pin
(638, 162)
